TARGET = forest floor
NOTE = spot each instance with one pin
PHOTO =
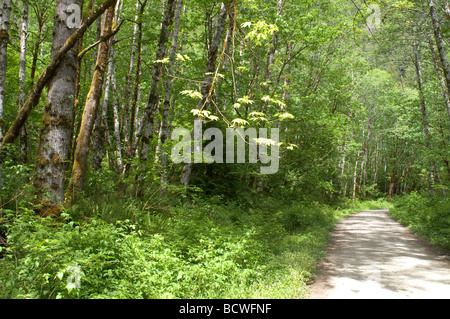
(371, 256)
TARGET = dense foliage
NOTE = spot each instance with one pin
(209, 250)
(428, 216)
(359, 91)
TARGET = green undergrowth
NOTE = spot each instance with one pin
(426, 215)
(202, 249)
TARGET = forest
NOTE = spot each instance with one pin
(175, 149)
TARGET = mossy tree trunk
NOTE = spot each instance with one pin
(91, 109)
(53, 154)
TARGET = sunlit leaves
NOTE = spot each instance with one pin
(239, 123)
(260, 32)
(192, 94)
(285, 116)
(202, 114)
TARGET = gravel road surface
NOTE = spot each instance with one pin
(371, 256)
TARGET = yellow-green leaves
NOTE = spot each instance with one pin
(261, 31)
(268, 99)
(204, 114)
(285, 116)
(245, 100)
(239, 123)
(192, 94)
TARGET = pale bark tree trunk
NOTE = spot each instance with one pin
(126, 117)
(112, 73)
(5, 14)
(147, 123)
(363, 166)
(376, 164)
(342, 164)
(440, 43)
(41, 25)
(118, 140)
(346, 178)
(355, 177)
(168, 92)
(271, 54)
(4, 37)
(208, 80)
(437, 67)
(425, 122)
(137, 91)
(273, 46)
(76, 126)
(53, 153)
(91, 108)
(365, 159)
(22, 80)
(131, 141)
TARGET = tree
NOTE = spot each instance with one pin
(22, 79)
(91, 108)
(4, 37)
(208, 81)
(53, 154)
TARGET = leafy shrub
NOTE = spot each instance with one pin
(202, 249)
(426, 215)
(117, 261)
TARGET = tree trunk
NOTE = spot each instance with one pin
(271, 54)
(117, 137)
(418, 65)
(91, 108)
(5, 14)
(273, 46)
(37, 44)
(126, 117)
(168, 91)
(147, 123)
(112, 73)
(101, 134)
(439, 73)
(53, 153)
(440, 43)
(208, 80)
(130, 140)
(22, 80)
(355, 177)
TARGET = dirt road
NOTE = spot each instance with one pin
(371, 256)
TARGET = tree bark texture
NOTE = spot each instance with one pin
(53, 154)
(208, 80)
(147, 124)
(5, 14)
(440, 43)
(22, 80)
(91, 108)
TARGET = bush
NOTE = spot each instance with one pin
(427, 215)
(119, 261)
(202, 249)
